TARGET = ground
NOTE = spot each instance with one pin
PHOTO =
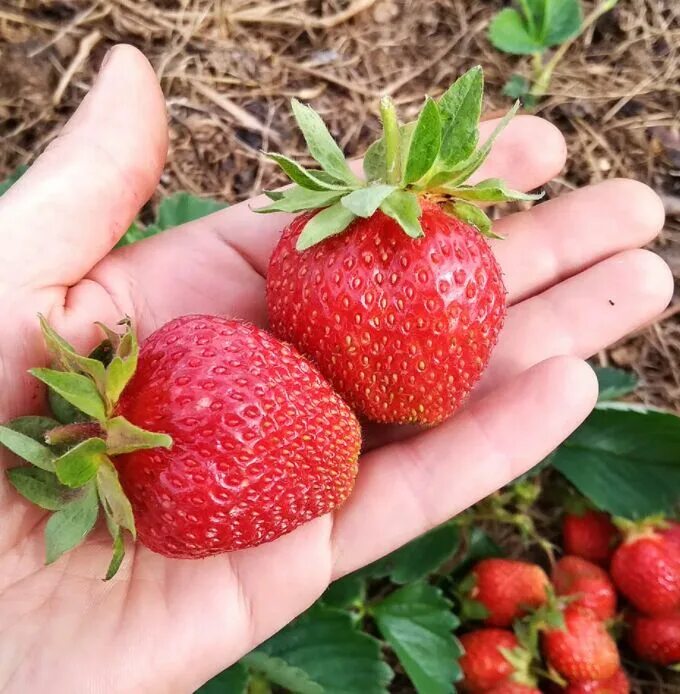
(228, 68)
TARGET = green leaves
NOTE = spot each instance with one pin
(333, 220)
(333, 655)
(365, 201)
(12, 178)
(418, 623)
(425, 143)
(461, 109)
(538, 25)
(321, 144)
(626, 461)
(27, 448)
(234, 680)
(69, 526)
(40, 487)
(614, 383)
(75, 388)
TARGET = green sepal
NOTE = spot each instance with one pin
(298, 199)
(69, 526)
(473, 610)
(79, 464)
(425, 143)
(122, 366)
(40, 487)
(118, 554)
(405, 209)
(273, 195)
(365, 201)
(27, 448)
(35, 427)
(471, 214)
(307, 179)
(124, 437)
(329, 222)
(113, 498)
(75, 388)
(491, 190)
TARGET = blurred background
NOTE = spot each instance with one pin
(228, 69)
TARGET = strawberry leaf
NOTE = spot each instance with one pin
(79, 464)
(321, 145)
(562, 21)
(405, 209)
(461, 108)
(425, 143)
(510, 33)
(490, 190)
(79, 390)
(329, 222)
(298, 199)
(40, 487)
(234, 680)
(298, 174)
(614, 383)
(27, 448)
(471, 214)
(69, 526)
(365, 201)
(418, 623)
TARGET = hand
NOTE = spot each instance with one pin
(576, 283)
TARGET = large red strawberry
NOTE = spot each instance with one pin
(391, 288)
(248, 442)
(588, 583)
(506, 589)
(617, 684)
(583, 649)
(492, 657)
(589, 534)
(656, 639)
(646, 569)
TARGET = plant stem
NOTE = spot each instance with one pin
(391, 137)
(542, 82)
(258, 685)
(69, 434)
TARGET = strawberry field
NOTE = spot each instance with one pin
(485, 601)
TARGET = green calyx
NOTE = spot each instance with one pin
(70, 471)
(431, 157)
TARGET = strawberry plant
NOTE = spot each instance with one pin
(533, 28)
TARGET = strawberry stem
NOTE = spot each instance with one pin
(69, 434)
(388, 114)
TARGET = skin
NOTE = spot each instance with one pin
(167, 626)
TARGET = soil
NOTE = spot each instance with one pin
(229, 67)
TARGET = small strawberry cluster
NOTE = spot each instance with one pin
(559, 631)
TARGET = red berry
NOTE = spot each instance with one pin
(656, 639)
(672, 533)
(508, 589)
(583, 650)
(591, 535)
(578, 577)
(483, 662)
(402, 327)
(513, 688)
(261, 443)
(617, 684)
(646, 569)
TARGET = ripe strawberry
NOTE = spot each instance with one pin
(487, 658)
(583, 650)
(222, 438)
(507, 589)
(672, 532)
(391, 288)
(577, 577)
(513, 688)
(590, 535)
(617, 684)
(656, 639)
(646, 569)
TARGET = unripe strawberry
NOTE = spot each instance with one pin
(507, 589)
(588, 583)
(656, 639)
(590, 535)
(646, 569)
(583, 650)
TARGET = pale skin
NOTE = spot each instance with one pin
(576, 282)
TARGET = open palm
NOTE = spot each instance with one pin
(576, 282)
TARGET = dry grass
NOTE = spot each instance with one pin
(228, 68)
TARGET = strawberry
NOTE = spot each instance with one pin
(506, 589)
(491, 658)
(213, 437)
(391, 288)
(617, 684)
(672, 532)
(646, 569)
(583, 649)
(591, 584)
(656, 639)
(590, 534)
(513, 688)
